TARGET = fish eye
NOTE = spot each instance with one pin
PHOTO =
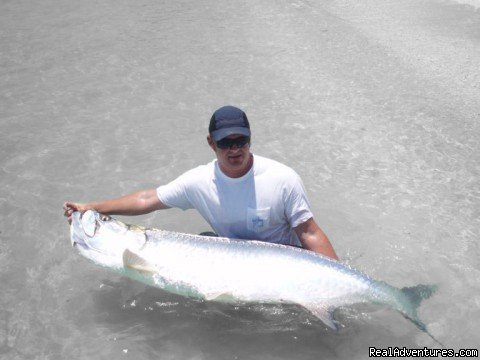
(105, 218)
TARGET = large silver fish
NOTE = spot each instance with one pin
(229, 270)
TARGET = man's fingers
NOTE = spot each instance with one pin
(67, 205)
(68, 211)
(69, 208)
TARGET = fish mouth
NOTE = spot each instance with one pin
(92, 231)
(76, 231)
(84, 228)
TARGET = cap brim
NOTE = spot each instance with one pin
(222, 133)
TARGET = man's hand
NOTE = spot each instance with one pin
(71, 207)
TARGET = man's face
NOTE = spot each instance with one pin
(234, 161)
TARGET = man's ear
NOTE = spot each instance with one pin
(211, 143)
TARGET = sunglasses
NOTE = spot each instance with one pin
(229, 143)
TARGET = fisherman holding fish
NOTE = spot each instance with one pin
(241, 195)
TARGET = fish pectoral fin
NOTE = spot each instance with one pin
(217, 296)
(136, 262)
(324, 312)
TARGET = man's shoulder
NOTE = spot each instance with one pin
(269, 163)
(268, 166)
(198, 173)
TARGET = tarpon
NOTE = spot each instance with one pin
(232, 270)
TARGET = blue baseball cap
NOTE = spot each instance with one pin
(228, 120)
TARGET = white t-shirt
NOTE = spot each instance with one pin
(264, 204)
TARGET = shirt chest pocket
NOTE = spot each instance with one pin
(258, 219)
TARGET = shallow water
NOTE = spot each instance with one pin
(374, 103)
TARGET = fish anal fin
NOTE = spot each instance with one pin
(324, 312)
(136, 262)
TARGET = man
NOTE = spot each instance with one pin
(239, 194)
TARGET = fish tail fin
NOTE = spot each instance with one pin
(414, 296)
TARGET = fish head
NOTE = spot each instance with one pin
(103, 239)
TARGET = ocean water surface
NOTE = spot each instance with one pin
(375, 104)
(474, 3)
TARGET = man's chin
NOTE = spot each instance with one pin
(236, 160)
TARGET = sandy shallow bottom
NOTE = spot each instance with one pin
(375, 104)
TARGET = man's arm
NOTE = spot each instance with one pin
(138, 203)
(313, 238)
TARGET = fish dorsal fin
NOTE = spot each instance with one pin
(134, 261)
(324, 312)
